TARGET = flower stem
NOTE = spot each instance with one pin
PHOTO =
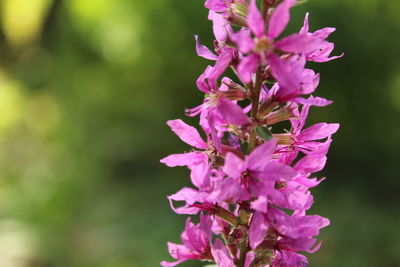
(255, 99)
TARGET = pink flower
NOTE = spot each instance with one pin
(289, 259)
(251, 177)
(252, 180)
(221, 254)
(196, 243)
(321, 53)
(196, 161)
(217, 5)
(263, 45)
(305, 139)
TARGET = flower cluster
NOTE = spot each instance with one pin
(252, 176)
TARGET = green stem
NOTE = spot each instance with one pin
(255, 99)
(244, 248)
(266, 5)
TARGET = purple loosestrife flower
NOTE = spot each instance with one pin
(252, 182)
(263, 46)
(304, 140)
(196, 243)
(221, 254)
(196, 161)
(251, 177)
(322, 53)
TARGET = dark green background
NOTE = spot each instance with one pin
(83, 106)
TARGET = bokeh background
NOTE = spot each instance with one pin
(86, 87)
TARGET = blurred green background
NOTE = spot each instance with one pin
(86, 87)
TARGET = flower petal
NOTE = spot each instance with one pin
(203, 51)
(262, 155)
(202, 80)
(305, 27)
(310, 163)
(288, 73)
(216, 5)
(318, 131)
(187, 133)
(219, 26)
(184, 159)
(280, 18)
(234, 166)
(300, 43)
(250, 256)
(243, 40)
(274, 171)
(258, 229)
(231, 112)
(221, 254)
(255, 20)
(200, 174)
(247, 67)
(223, 61)
(312, 101)
(188, 195)
(260, 204)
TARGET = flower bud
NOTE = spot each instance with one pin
(281, 114)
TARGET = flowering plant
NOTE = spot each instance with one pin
(252, 181)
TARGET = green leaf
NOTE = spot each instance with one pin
(264, 133)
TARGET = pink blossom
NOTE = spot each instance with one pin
(253, 176)
(253, 182)
(196, 243)
(321, 53)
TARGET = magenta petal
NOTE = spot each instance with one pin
(219, 26)
(287, 73)
(193, 238)
(324, 33)
(310, 164)
(171, 264)
(223, 61)
(260, 204)
(187, 133)
(255, 20)
(178, 251)
(203, 51)
(316, 248)
(318, 131)
(225, 190)
(200, 174)
(250, 256)
(202, 80)
(280, 18)
(258, 229)
(231, 112)
(310, 81)
(247, 67)
(313, 101)
(234, 166)
(299, 43)
(221, 254)
(322, 54)
(243, 40)
(216, 5)
(274, 171)
(188, 195)
(262, 155)
(305, 28)
(210, 119)
(184, 159)
(205, 226)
